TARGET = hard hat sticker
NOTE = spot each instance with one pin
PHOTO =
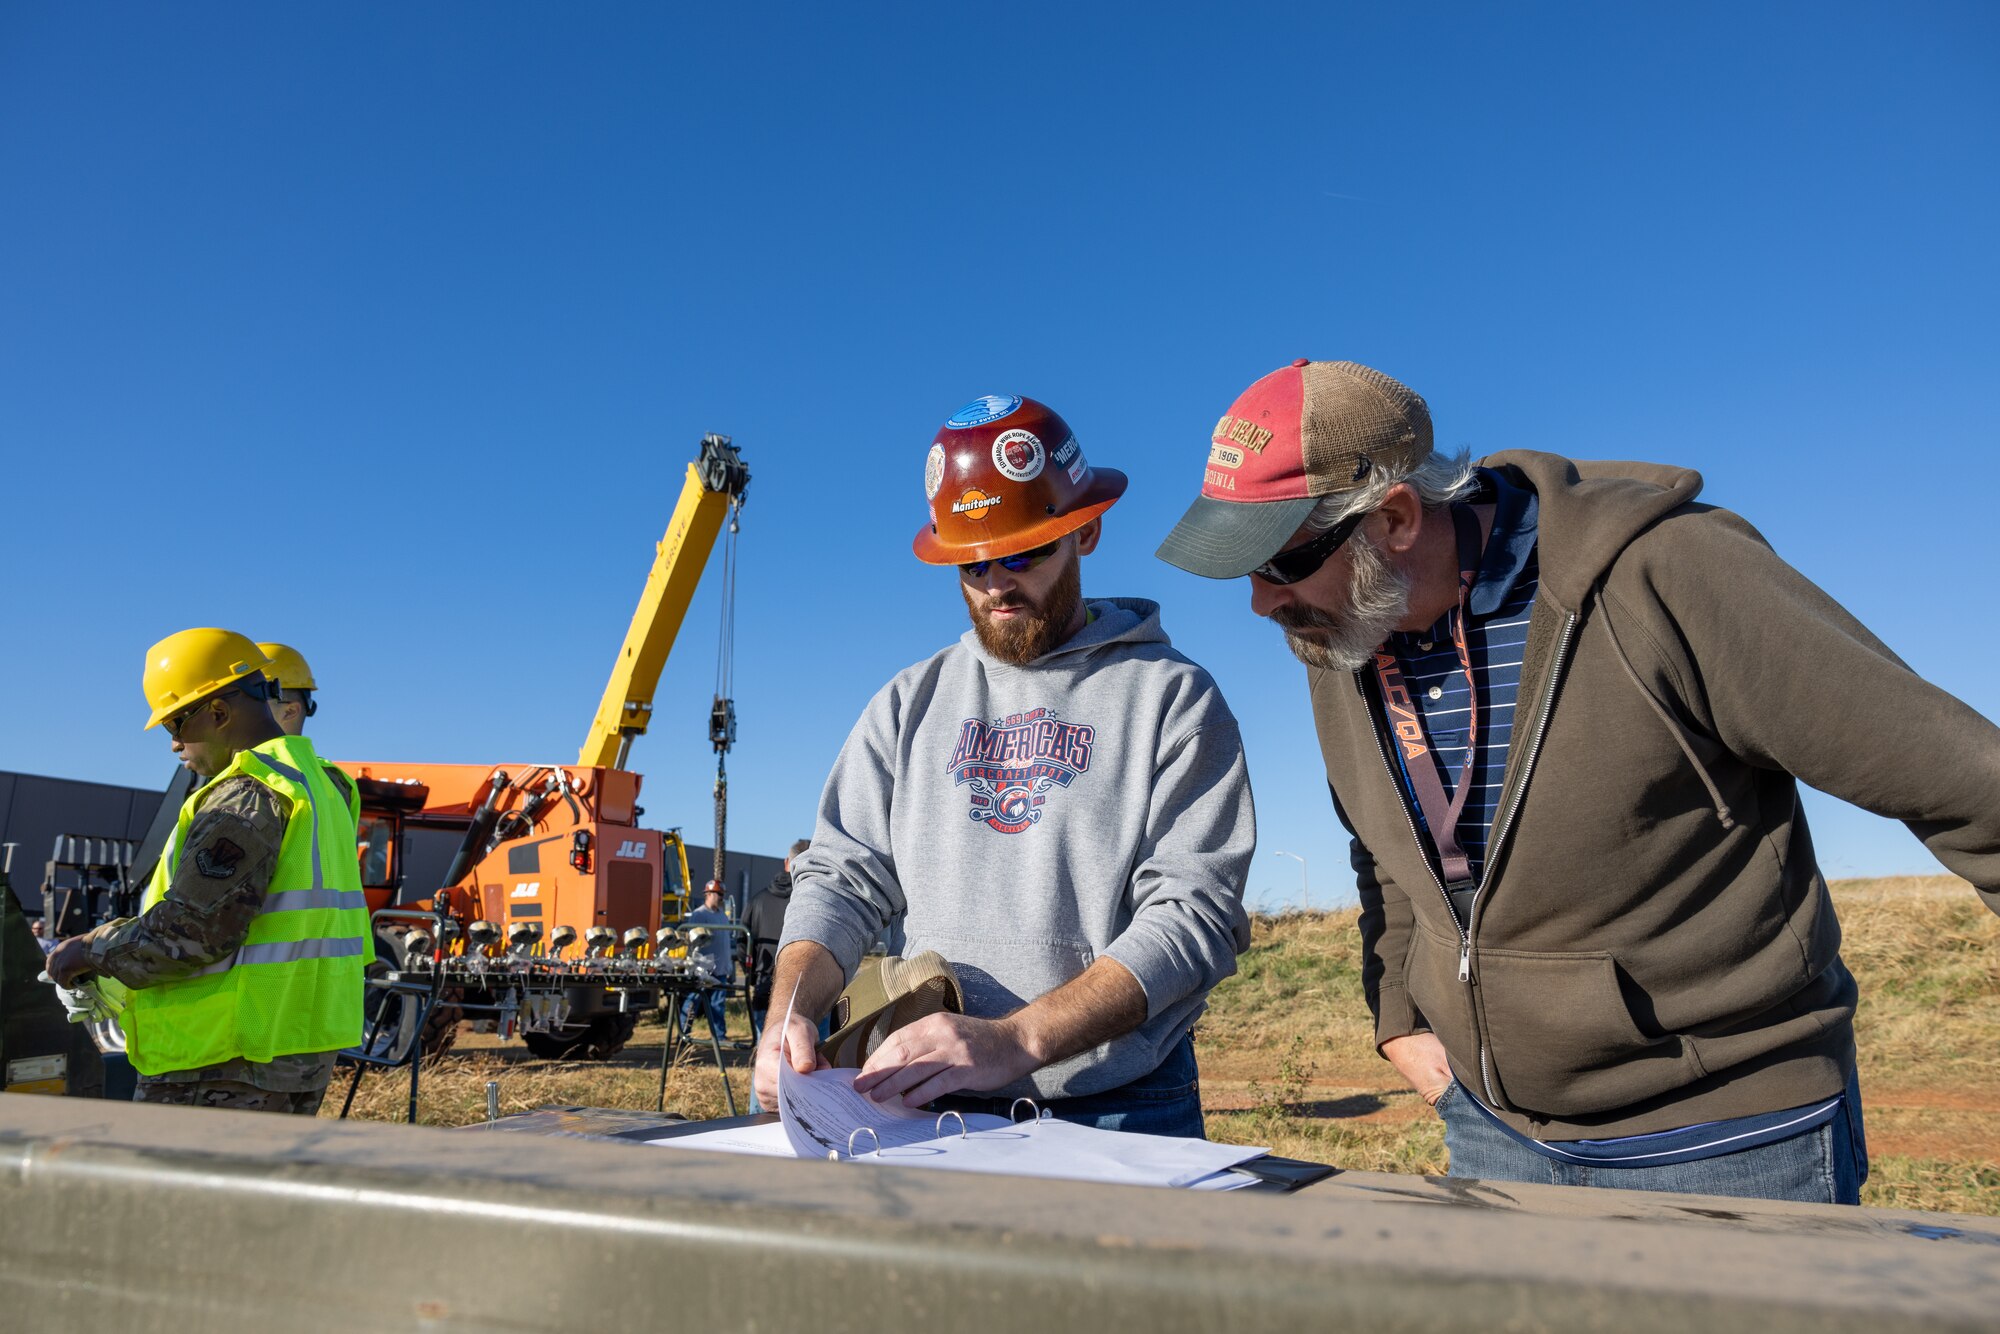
(934, 472)
(1019, 455)
(983, 410)
(1070, 457)
(974, 504)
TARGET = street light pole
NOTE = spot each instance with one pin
(1305, 893)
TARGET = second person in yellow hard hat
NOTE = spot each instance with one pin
(242, 974)
(292, 689)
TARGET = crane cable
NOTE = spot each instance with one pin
(722, 714)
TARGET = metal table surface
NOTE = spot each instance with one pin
(165, 1218)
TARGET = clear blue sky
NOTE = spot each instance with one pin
(388, 330)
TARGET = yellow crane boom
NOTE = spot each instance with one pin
(716, 483)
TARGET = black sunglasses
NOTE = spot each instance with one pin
(1288, 567)
(179, 720)
(1018, 563)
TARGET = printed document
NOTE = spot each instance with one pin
(820, 1115)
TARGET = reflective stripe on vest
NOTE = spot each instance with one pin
(286, 952)
(295, 984)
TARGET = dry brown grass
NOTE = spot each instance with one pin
(452, 1089)
(1288, 1059)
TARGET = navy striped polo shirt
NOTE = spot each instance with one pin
(1496, 632)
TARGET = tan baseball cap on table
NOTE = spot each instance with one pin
(1305, 431)
(883, 997)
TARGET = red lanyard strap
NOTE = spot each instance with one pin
(1406, 725)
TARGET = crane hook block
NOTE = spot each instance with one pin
(722, 724)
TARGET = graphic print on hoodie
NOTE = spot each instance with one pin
(1013, 763)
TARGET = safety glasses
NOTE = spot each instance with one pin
(174, 724)
(1018, 563)
(180, 720)
(1288, 567)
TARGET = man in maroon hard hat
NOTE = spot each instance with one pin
(1056, 805)
(1564, 711)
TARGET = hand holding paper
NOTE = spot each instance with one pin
(792, 1041)
(809, 980)
(944, 1053)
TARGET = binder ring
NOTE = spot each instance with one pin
(871, 1135)
(1035, 1113)
(939, 1127)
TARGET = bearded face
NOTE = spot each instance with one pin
(1020, 623)
(1377, 599)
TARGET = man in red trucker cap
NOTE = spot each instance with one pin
(1564, 710)
(1056, 804)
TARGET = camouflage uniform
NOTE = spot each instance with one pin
(217, 890)
(182, 1090)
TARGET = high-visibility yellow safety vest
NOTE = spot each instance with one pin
(295, 983)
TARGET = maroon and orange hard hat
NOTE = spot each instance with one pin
(1005, 475)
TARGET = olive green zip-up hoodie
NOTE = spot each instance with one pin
(1652, 945)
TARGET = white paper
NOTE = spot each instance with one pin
(823, 1115)
(1050, 1148)
(768, 1140)
(771, 1141)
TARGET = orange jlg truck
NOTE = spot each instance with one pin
(559, 912)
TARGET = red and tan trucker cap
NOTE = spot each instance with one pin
(1308, 430)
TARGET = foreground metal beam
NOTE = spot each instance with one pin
(153, 1218)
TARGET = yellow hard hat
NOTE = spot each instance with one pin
(194, 664)
(291, 671)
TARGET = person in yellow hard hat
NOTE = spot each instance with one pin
(292, 699)
(242, 975)
(292, 688)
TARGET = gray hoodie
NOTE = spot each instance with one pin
(1029, 819)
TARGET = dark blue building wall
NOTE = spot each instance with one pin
(36, 809)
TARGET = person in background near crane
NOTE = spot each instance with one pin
(1057, 804)
(292, 699)
(242, 975)
(1564, 711)
(766, 922)
(713, 955)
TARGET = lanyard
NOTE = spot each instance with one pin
(1407, 729)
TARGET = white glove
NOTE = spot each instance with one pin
(85, 1003)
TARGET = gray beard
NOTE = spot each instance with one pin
(1378, 598)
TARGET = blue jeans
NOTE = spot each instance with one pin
(1165, 1102)
(709, 1002)
(1822, 1166)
